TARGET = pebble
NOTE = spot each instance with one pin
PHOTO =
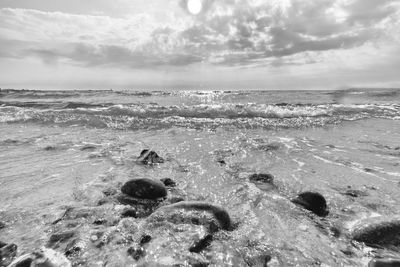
(149, 157)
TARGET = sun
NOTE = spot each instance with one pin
(194, 6)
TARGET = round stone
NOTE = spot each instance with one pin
(144, 189)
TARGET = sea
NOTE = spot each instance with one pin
(67, 150)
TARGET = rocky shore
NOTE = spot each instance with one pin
(132, 216)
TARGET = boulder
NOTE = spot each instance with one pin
(313, 202)
(144, 189)
(380, 231)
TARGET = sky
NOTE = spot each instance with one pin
(199, 44)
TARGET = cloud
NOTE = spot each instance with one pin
(226, 33)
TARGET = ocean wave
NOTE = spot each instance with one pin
(202, 115)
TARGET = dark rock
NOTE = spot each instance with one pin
(201, 244)
(384, 263)
(378, 232)
(129, 213)
(144, 189)
(89, 147)
(57, 238)
(2, 244)
(221, 161)
(219, 213)
(136, 253)
(355, 193)
(50, 148)
(100, 221)
(7, 253)
(75, 248)
(262, 178)
(144, 240)
(168, 182)
(150, 157)
(313, 202)
(110, 192)
(2, 225)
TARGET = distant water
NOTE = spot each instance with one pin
(72, 150)
(197, 109)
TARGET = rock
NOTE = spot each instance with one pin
(384, 263)
(144, 240)
(2, 225)
(355, 193)
(262, 178)
(129, 213)
(57, 238)
(75, 248)
(149, 157)
(90, 147)
(168, 182)
(378, 232)
(201, 244)
(7, 253)
(313, 202)
(136, 253)
(144, 189)
(43, 258)
(219, 213)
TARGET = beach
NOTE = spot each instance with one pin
(67, 150)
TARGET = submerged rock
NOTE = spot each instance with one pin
(144, 189)
(384, 263)
(378, 232)
(7, 253)
(262, 178)
(136, 252)
(201, 244)
(219, 213)
(168, 182)
(150, 157)
(313, 202)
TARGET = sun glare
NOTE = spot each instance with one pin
(194, 6)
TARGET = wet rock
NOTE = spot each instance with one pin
(129, 213)
(57, 238)
(144, 189)
(313, 202)
(110, 191)
(144, 240)
(201, 244)
(219, 213)
(50, 148)
(384, 263)
(149, 157)
(221, 161)
(168, 182)
(75, 248)
(7, 253)
(136, 253)
(378, 232)
(262, 178)
(355, 193)
(88, 147)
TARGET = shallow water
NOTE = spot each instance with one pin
(55, 155)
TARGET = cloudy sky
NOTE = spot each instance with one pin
(218, 44)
